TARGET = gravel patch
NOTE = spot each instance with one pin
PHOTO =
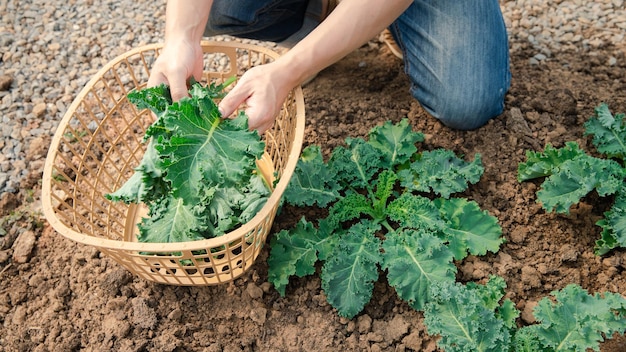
(50, 50)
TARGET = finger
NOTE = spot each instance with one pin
(155, 79)
(260, 116)
(264, 127)
(232, 101)
(178, 87)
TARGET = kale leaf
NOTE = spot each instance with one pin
(198, 176)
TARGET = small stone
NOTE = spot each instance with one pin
(395, 329)
(175, 315)
(37, 148)
(23, 247)
(364, 323)
(5, 82)
(254, 291)
(258, 315)
(8, 202)
(54, 46)
(569, 253)
(5, 255)
(335, 131)
(518, 235)
(39, 110)
(531, 277)
(527, 313)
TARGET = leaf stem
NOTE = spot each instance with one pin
(386, 225)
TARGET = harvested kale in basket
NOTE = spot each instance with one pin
(198, 177)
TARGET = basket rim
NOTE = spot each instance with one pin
(226, 238)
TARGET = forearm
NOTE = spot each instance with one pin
(349, 26)
(186, 19)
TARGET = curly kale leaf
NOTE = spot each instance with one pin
(491, 294)
(609, 132)
(414, 260)
(459, 314)
(576, 320)
(350, 207)
(384, 190)
(541, 164)
(198, 176)
(475, 318)
(157, 99)
(146, 184)
(396, 143)
(295, 252)
(356, 165)
(171, 220)
(442, 172)
(613, 225)
(353, 204)
(228, 207)
(349, 273)
(312, 182)
(205, 150)
(415, 212)
(469, 229)
(575, 178)
(571, 175)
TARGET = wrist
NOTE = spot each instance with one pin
(293, 70)
(186, 20)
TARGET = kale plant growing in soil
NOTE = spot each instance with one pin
(571, 173)
(390, 208)
(475, 317)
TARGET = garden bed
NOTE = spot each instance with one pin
(58, 295)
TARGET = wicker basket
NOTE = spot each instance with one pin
(99, 142)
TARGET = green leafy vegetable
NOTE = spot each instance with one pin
(571, 173)
(296, 252)
(199, 175)
(380, 216)
(315, 184)
(441, 172)
(416, 259)
(577, 320)
(465, 321)
(474, 317)
(352, 267)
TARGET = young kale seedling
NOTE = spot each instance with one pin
(476, 318)
(571, 173)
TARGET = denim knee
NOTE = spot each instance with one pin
(466, 111)
(456, 56)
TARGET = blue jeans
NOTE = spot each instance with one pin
(455, 51)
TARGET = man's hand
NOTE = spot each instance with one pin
(181, 57)
(177, 62)
(263, 89)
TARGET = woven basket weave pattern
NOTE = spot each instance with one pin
(100, 141)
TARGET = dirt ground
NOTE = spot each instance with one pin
(56, 295)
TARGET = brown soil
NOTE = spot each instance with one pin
(56, 295)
